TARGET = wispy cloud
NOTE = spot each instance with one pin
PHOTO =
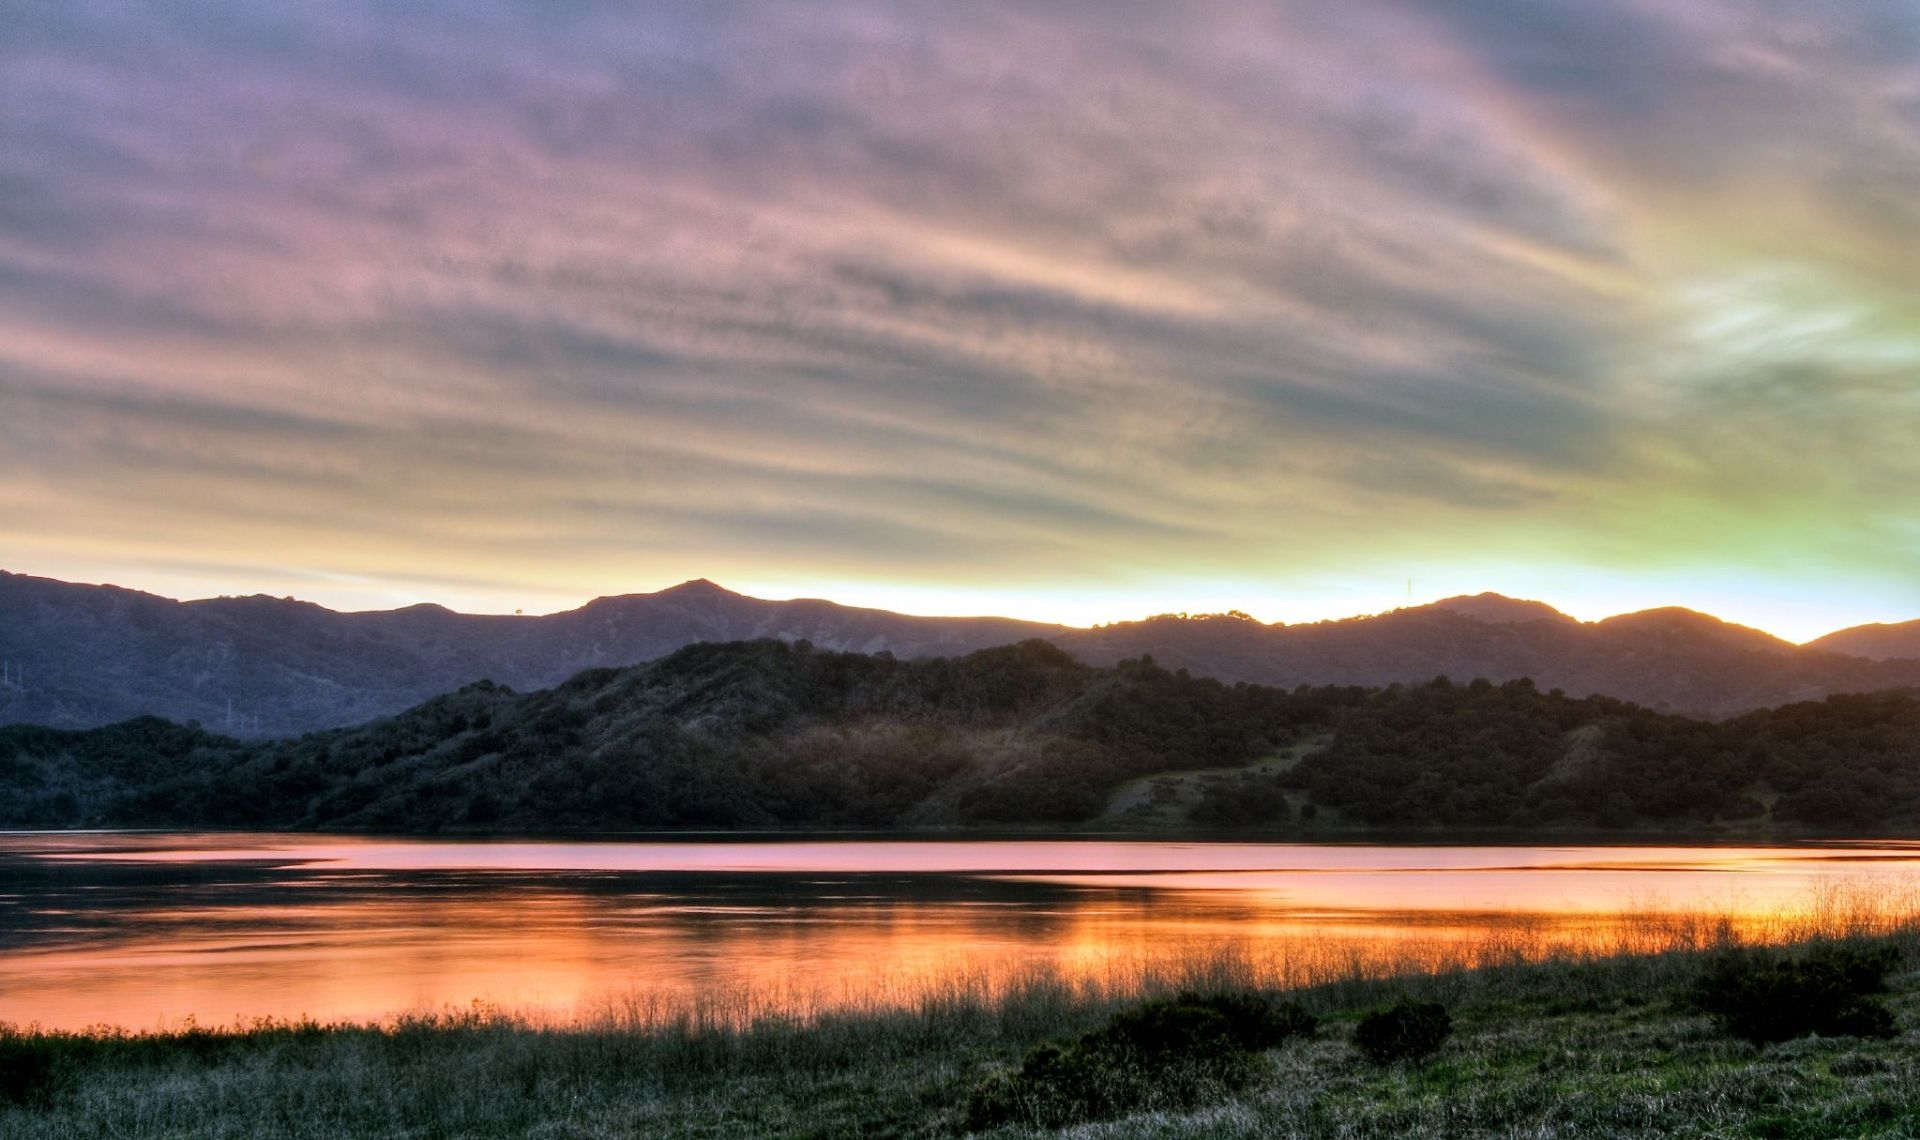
(584, 298)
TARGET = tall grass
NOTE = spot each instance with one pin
(1325, 955)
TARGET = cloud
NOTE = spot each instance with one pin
(1002, 292)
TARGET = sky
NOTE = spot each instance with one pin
(1078, 311)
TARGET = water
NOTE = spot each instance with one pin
(144, 931)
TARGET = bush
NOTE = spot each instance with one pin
(1172, 1053)
(1257, 1021)
(1409, 1031)
(1766, 997)
(1244, 801)
(26, 1069)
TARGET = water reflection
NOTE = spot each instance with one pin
(143, 930)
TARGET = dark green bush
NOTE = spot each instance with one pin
(1172, 1053)
(1242, 801)
(1408, 1031)
(1766, 997)
(1164, 1030)
(1257, 1021)
(26, 1069)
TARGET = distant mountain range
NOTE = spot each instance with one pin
(79, 656)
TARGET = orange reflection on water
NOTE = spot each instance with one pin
(141, 930)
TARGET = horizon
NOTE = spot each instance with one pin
(1058, 311)
(755, 595)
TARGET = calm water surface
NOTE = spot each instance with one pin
(145, 930)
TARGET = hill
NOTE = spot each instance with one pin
(84, 656)
(259, 666)
(1878, 642)
(768, 735)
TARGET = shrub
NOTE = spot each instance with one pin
(1161, 1031)
(1171, 1053)
(1244, 801)
(1258, 1021)
(1409, 1031)
(26, 1069)
(1766, 997)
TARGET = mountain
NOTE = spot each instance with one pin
(1877, 642)
(1672, 659)
(767, 734)
(80, 656)
(1498, 609)
(93, 655)
(745, 734)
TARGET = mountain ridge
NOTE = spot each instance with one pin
(770, 734)
(1878, 641)
(81, 656)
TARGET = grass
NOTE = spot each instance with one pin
(1163, 799)
(1579, 1044)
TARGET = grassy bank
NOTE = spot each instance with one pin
(1591, 1045)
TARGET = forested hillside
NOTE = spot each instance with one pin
(769, 734)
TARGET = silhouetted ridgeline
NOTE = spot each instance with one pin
(261, 666)
(84, 656)
(769, 734)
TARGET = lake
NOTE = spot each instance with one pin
(144, 930)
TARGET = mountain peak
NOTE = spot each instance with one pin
(694, 591)
(698, 587)
(1674, 616)
(1498, 609)
(1879, 641)
(1680, 621)
(258, 602)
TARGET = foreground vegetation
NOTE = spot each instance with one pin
(1617, 1046)
(759, 735)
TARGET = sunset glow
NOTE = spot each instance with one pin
(342, 928)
